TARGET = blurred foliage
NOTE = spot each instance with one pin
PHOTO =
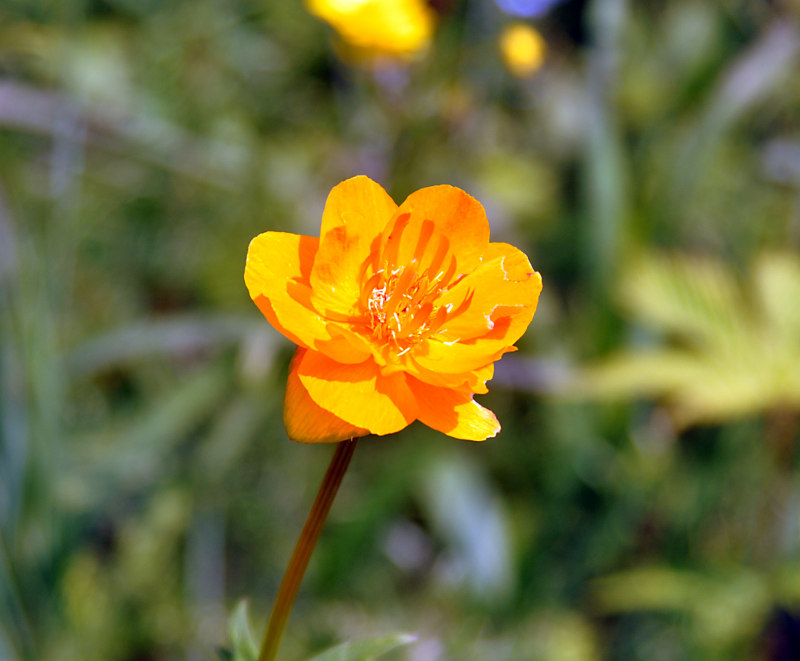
(364, 650)
(651, 170)
(243, 643)
(736, 352)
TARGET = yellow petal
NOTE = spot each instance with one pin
(358, 394)
(355, 214)
(460, 357)
(396, 28)
(344, 345)
(495, 304)
(277, 264)
(277, 277)
(456, 215)
(306, 421)
(453, 412)
(504, 279)
(473, 381)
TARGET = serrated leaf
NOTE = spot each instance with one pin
(736, 350)
(365, 650)
(777, 282)
(645, 374)
(243, 645)
(693, 297)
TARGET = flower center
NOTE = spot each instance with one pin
(401, 309)
(412, 271)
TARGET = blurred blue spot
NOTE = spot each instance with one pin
(528, 8)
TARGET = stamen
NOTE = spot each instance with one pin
(372, 284)
(419, 319)
(399, 297)
(400, 287)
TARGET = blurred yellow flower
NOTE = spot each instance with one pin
(370, 28)
(523, 49)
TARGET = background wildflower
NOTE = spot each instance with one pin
(374, 28)
(523, 49)
(527, 8)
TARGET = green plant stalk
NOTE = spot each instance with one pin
(304, 548)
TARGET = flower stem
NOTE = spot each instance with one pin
(305, 546)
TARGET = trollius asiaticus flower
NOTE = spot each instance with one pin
(399, 312)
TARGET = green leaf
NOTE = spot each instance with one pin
(727, 607)
(692, 297)
(777, 284)
(728, 351)
(242, 641)
(365, 650)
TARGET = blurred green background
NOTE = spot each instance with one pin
(642, 501)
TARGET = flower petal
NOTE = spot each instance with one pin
(398, 28)
(456, 215)
(358, 394)
(453, 412)
(355, 214)
(460, 357)
(276, 275)
(504, 280)
(473, 381)
(494, 304)
(306, 421)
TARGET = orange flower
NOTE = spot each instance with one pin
(399, 313)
